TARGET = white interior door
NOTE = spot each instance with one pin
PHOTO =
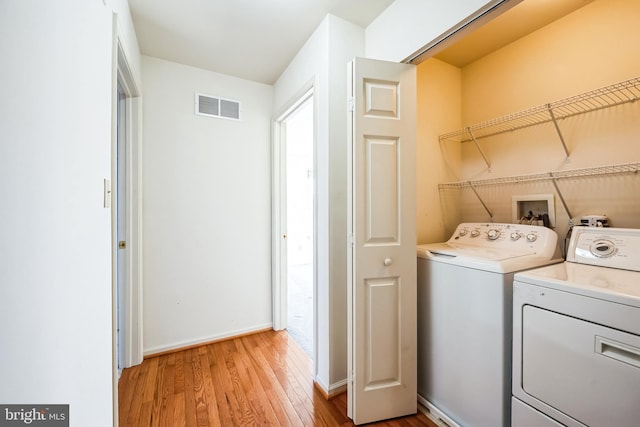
(382, 265)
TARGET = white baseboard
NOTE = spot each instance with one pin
(332, 390)
(204, 340)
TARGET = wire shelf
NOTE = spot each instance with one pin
(574, 173)
(609, 96)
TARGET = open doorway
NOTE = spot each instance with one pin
(299, 159)
(294, 202)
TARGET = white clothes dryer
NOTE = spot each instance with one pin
(576, 337)
(464, 319)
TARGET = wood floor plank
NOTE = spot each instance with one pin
(246, 415)
(264, 379)
(202, 411)
(179, 418)
(278, 398)
(126, 388)
(213, 415)
(168, 411)
(253, 387)
(150, 381)
(300, 399)
(165, 405)
(159, 395)
(146, 410)
(222, 403)
(135, 405)
(189, 395)
(178, 384)
(225, 382)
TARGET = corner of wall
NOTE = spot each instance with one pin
(128, 39)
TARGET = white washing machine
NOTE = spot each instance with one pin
(464, 319)
(576, 342)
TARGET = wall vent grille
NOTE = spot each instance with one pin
(213, 106)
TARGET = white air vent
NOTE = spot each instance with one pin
(214, 106)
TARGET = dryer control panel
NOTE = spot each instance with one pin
(605, 247)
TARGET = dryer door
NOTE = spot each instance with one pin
(584, 370)
(522, 415)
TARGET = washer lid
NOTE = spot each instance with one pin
(486, 259)
(482, 253)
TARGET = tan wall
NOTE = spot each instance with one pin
(590, 48)
(438, 99)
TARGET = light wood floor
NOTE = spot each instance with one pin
(263, 379)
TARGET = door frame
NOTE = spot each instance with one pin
(131, 298)
(279, 211)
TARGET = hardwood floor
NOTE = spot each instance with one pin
(263, 379)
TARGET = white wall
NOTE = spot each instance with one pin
(406, 26)
(55, 263)
(127, 37)
(346, 41)
(323, 60)
(207, 203)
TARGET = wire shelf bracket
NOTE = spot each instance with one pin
(555, 124)
(475, 141)
(481, 201)
(554, 181)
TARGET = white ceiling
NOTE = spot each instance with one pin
(250, 39)
(517, 22)
(256, 39)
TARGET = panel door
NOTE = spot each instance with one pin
(382, 265)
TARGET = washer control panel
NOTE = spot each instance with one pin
(606, 247)
(516, 237)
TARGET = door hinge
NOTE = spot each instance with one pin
(351, 239)
(350, 104)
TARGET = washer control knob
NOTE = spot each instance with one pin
(463, 232)
(603, 248)
(493, 234)
(475, 233)
(531, 237)
(515, 236)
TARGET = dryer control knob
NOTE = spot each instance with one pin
(463, 232)
(515, 236)
(532, 237)
(475, 233)
(493, 234)
(603, 248)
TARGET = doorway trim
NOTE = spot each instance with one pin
(279, 217)
(131, 300)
